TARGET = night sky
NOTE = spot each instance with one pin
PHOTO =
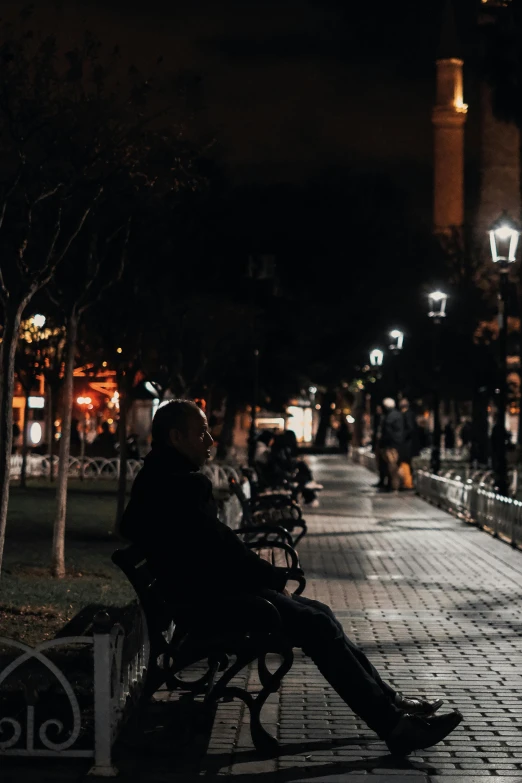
(321, 111)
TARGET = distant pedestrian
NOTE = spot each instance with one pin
(410, 444)
(16, 436)
(424, 434)
(466, 432)
(105, 443)
(449, 436)
(391, 442)
(344, 436)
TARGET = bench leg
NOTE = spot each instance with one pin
(262, 740)
(202, 684)
(304, 528)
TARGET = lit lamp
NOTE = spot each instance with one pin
(436, 312)
(376, 357)
(503, 240)
(39, 320)
(397, 338)
(437, 302)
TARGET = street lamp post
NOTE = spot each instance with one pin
(437, 313)
(252, 434)
(376, 357)
(83, 403)
(503, 238)
(376, 360)
(397, 340)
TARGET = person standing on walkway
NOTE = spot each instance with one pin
(449, 435)
(390, 442)
(344, 436)
(171, 517)
(410, 443)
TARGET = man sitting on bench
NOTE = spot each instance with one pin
(172, 518)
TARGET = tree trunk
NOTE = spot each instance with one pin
(122, 437)
(50, 429)
(227, 433)
(23, 471)
(12, 318)
(58, 551)
(324, 420)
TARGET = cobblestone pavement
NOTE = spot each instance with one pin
(437, 606)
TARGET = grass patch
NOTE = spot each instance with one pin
(33, 605)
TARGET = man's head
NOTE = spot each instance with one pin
(182, 425)
(388, 404)
(404, 404)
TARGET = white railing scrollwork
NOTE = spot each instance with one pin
(38, 466)
(99, 468)
(120, 663)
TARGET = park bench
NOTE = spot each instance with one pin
(229, 636)
(272, 509)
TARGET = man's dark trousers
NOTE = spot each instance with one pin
(313, 626)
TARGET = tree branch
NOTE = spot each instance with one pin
(119, 271)
(51, 263)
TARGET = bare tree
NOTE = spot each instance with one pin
(68, 144)
(75, 301)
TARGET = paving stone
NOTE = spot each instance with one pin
(437, 606)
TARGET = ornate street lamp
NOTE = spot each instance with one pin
(437, 312)
(395, 346)
(437, 301)
(376, 357)
(503, 239)
(397, 338)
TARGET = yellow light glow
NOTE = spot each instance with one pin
(119, 350)
(104, 364)
(35, 433)
(295, 422)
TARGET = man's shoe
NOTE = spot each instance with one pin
(413, 732)
(379, 485)
(417, 706)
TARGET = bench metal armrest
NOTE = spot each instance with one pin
(266, 529)
(289, 550)
(299, 577)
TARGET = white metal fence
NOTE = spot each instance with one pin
(101, 469)
(39, 466)
(495, 513)
(120, 662)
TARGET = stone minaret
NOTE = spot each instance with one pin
(449, 117)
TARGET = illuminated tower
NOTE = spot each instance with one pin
(449, 117)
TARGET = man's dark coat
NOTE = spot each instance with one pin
(172, 518)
